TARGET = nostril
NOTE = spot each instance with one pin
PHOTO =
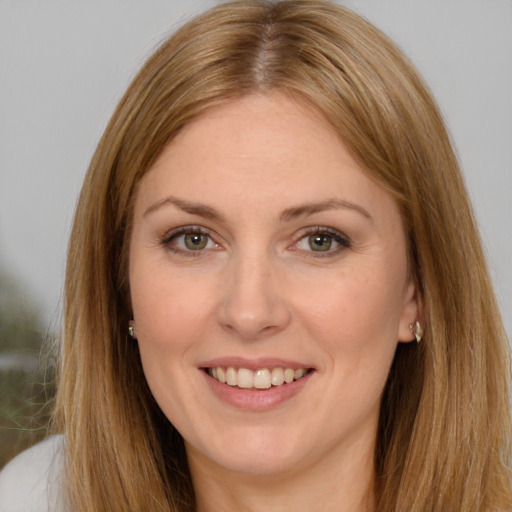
(253, 319)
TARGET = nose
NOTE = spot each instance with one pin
(252, 301)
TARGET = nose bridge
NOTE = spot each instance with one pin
(252, 305)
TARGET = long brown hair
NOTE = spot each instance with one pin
(444, 433)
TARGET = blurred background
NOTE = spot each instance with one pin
(64, 64)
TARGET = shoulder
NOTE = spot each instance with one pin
(31, 481)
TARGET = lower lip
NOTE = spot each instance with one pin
(256, 399)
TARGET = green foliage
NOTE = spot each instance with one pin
(25, 410)
(19, 322)
(26, 388)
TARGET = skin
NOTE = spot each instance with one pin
(259, 288)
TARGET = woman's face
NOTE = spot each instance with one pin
(261, 252)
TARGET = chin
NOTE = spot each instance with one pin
(254, 454)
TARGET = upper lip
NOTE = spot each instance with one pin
(253, 364)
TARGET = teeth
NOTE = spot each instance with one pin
(277, 376)
(245, 378)
(260, 379)
(231, 377)
(221, 375)
(289, 375)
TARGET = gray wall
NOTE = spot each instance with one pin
(65, 64)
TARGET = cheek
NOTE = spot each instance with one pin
(165, 309)
(167, 323)
(355, 311)
(352, 318)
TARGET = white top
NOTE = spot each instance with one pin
(30, 482)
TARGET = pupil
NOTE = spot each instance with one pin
(320, 242)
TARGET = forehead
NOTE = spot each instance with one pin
(260, 149)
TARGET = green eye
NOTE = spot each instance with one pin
(323, 242)
(320, 242)
(189, 240)
(195, 241)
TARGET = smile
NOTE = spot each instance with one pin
(263, 378)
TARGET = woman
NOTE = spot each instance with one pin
(276, 293)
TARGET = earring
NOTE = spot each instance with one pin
(131, 332)
(417, 331)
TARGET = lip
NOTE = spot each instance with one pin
(253, 364)
(255, 399)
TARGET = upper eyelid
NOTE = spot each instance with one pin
(340, 238)
(300, 234)
(171, 235)
(322, 230)
(183, 230)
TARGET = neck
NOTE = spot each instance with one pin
(337, 483)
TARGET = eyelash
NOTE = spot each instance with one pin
(185, 230)
(338, 237)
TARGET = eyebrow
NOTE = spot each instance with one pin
(294, 212)
(187, 206)
(330, 204)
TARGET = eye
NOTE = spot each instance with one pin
(188, 239)
(195, 241)
(323, 240)
(320, 242)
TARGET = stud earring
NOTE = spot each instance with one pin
(131, 332)
(417, 331)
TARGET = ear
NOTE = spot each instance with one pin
(411, 313)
